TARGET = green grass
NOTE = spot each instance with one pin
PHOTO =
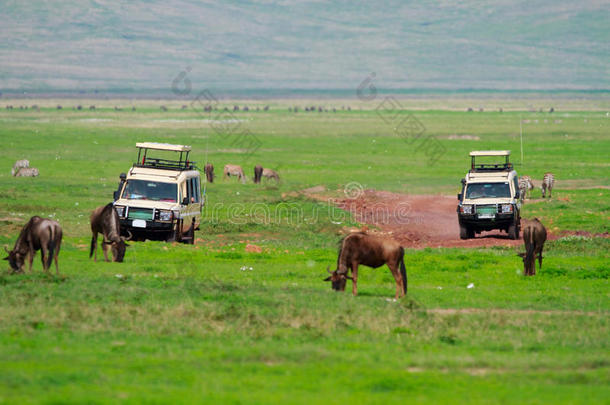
(178, 323)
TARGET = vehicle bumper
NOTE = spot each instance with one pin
(500, 221)
(151, 226)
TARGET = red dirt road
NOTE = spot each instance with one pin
(418, 221)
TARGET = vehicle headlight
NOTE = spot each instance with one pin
(466, 209)
(120, 210)
(507, 208)
(165, 215)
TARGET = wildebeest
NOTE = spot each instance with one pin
(534, 236)
(271, 174)
(163, 108)
(105, 220)
(20, 164)
(373, 251)
(258, 172)
(209, 172)
(525, 185)
(234, 170)
(38, 234)
(548, 181)
(27, 172)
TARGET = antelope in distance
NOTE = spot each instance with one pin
(105, 220)
(38, 234)
(548, 181)
(234, 170)
(20, 164)
(258, 172)
(271, 174)
(534, 236)
(525, 186)
(373, 251)
(209, 172)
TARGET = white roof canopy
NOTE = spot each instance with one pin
(490, 153)
(163, 146)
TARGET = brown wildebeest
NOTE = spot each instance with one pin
(373, 251)
(534, 236)
(234, 170)
(209, 172)
(38, 234)
(271, 174)
(258, 172)
(105, 220)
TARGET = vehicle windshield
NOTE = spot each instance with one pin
(150, 190)
(488, 190)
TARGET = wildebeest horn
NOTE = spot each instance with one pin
(130, 236)
(7, 251)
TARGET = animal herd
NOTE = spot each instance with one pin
(526, 185)
(355, 249)
(236, 171)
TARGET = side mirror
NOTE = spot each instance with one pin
(185, 201)
(115, 195)
(459, 196)
(517, 194)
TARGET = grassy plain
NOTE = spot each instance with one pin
(178, 323)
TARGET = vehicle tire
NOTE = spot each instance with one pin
(465, 232)
(190, 235)
(175, 235)
(513, 231)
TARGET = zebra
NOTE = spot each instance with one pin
(548, 181)
(525, 185)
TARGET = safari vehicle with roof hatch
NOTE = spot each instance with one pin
(490, 195)
(160, 198)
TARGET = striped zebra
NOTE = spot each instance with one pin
(548, 181)
(525, 185)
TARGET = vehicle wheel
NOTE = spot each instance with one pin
(465, 232)
(513, 231)
(189, 238)
(175, 235)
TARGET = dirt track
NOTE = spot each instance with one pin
(419, 221)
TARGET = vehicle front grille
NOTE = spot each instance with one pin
(140, 213)
(486, 209)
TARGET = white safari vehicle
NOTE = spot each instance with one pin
(490, 195)
(160, 197)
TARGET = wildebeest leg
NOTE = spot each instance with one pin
(105, 248)
(94, 247)
(44, 254)
(398, 278)
(540, 257)
(355, 278)
(30, 259)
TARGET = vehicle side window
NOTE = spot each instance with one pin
(516, 183)
(193, 190)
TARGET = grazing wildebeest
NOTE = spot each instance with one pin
(38, 234)
(27, 172)
(92, 107)
(163, 108)
(525, 185)
(209, 172)
(534, 236)
(271, 174)
(105, 220)
(20, 164)
(234, 170)
(373, 251)
(258, 172)
(548, 181)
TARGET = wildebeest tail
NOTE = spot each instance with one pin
(92, 247)
(403, 270)
(51, 248)
(529, 251)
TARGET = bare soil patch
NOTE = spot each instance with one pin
(419, 221)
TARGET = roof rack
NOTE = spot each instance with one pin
(182, 163)
(490, 167)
